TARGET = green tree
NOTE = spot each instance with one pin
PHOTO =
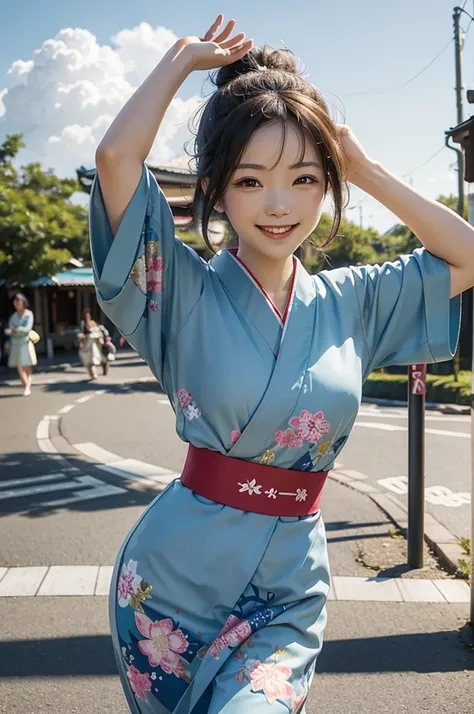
(353, 246)
(40, 229)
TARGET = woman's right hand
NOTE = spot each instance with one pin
(216, 49)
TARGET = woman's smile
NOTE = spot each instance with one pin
(278, 232)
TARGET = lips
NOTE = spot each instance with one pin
(278, 232)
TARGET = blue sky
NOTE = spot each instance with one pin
(358, 53)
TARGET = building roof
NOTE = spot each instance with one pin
(69, 278)
(165, 176)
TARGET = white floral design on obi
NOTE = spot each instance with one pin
(188, 405)
(250, 487)
(301, 494)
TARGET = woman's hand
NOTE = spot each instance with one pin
(354, 153)
(216, 49)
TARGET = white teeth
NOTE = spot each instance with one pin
(282, 229)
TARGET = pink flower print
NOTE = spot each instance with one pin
(235, 436)
(233, 633)
(163, 644)
(139, 682)
(185, 399)
(272, 679)
(289, 438)
(128, 583)
(153, 305)
(154, 275)
(311, 426)
(246, 669)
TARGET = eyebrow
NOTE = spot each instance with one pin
(298, 165)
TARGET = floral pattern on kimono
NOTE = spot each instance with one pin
(147, 271)
(188, 405)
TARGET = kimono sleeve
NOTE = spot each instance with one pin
(406, 311)
(147, 281)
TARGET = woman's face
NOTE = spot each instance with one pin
(274, 208)
(19, 305)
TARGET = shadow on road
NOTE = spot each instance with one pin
(34, 486)
(422, 653)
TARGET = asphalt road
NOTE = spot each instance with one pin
(55, 652)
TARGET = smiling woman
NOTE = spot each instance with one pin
(218, 600)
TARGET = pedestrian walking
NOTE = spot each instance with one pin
(218, 598)
(22, 353)
(91, 342)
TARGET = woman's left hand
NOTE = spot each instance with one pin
(354, 152)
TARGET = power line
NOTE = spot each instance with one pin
(396, 88)
(424, 163)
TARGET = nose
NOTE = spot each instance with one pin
(277, 205)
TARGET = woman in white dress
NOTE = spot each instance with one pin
(91, 341)
(22, 350)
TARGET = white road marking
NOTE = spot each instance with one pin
(394, 427)
(47, 446)
(104, 579)
(90, 488)
(437, 495)
(23, 581)
(33, 479)
(66, 409)
(70, 580)
(166, 402)
(387, 415)
(129, 469)
(86, 398)
(452, 590)
(87, 580)
(99, 489)
(96, 452)
(42, 430)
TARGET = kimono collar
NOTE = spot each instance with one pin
(252, 299)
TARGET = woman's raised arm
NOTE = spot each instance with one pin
(128, 141)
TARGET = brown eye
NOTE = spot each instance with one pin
(306, 180)
(247, 183)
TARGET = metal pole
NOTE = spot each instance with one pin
(416, 464)
(459, 104)
(470, 214)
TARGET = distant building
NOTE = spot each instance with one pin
(177, 185)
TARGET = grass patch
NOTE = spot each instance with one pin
(439, 388)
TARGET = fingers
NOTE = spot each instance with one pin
(213, 28)
(240, 51)
(236, 40)
(225, 32)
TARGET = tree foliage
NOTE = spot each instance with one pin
(40, 229)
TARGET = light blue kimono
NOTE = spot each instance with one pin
(214, 609)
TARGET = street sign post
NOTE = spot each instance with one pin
(416, 463)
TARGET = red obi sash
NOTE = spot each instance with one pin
(252, 487)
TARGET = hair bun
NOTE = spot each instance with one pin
(257, 59)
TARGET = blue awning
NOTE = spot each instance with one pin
(77, 277)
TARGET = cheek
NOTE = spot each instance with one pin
(240, 207)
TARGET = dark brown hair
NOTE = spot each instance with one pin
(265, 86)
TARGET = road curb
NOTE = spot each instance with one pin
(441, 541)
(429, 406)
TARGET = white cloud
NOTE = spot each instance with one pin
(64, 98)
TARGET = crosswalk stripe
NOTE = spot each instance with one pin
(94, 580)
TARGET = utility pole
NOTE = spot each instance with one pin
(459, 105)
